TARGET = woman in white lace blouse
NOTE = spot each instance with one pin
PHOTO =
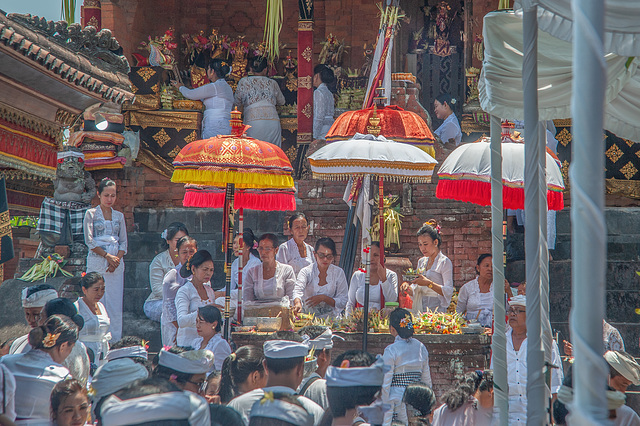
(258, 95)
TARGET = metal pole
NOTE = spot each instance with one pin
(227, 257)
(536, 388)
(367, 281)
(588, 227)
(381, 218)
(498, 340)
(240, 261)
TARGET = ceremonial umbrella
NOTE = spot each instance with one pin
(232, 161)
(395, 123)
(465, 175)
(372, 155)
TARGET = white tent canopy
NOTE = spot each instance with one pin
(500, 82)
(621, 35)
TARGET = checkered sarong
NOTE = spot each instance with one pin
(406, 379)
(53, 213)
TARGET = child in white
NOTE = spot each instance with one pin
(408, 360)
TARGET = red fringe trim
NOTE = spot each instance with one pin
(25, 147)
(477, 192)
(246, 200)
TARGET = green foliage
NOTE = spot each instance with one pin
(28, 221)
(69, 11)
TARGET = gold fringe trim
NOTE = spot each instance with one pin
(372, 164)
(33, 123)
(389, 178)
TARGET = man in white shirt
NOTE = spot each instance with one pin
(517, 362)
(623, 371)
(284, 355)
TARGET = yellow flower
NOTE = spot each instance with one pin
(50, 340)
(268, 397)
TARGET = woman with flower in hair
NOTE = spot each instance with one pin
(105, 234)
(434, 286)
(196, 292)
(449, 131)
(160, 265)
(37, 371)
(217, 98)
(408, 360)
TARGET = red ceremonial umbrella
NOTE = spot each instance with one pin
(258, 169)
(395, 124)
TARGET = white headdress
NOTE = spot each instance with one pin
(128, 352)
(323, 341)
(116, 375)
(284, 349)
(357, 376)
(37, 299)
(190, 362)
(164, 406)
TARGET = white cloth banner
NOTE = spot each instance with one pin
(500, 82)
(621, 29)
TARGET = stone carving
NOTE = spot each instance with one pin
(61, 216)
(94, 44)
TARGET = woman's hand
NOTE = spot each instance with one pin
(113, 261)
(422, 281)
(297, 306)
(317, 299)
(568, 348)
(507, 288)
(405, 288)
(176, 84)
(219, 294)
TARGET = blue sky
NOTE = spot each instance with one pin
(49, 9)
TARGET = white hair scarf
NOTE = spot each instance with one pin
(181, 405)
(357, 376)
(37, 299)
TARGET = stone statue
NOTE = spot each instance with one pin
(61, 217)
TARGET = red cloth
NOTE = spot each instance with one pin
(92, 14)
(26, 145)
(478, 192)
(246, 199)
(305, 74)
(395, 123)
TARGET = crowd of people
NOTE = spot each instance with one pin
(75, 368)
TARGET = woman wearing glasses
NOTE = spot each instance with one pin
(271, 280)
(321, 288)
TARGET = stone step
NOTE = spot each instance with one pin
(620, 221)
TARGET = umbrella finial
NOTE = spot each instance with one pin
(507, 128)
(374, 122)
(380, 99)
(237, 128)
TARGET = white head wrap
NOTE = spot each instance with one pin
(281, 410)
(519, 300)
(357, 376)
(323, 341)
(128, 352)
(116, 375)
(37, 299)
(150, 408)
(624, 364)
(615, 399)
(278, 349)
(190, 362)
(68, 154)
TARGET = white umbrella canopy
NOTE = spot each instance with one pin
(621, 29)
(465, 175)
(370, 155)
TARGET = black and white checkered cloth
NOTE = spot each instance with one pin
(406, 379)
(53, 213)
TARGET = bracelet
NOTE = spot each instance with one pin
(105, 254)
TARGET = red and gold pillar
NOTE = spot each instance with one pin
(305, 72)
(91, 14)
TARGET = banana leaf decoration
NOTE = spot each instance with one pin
(69, 11)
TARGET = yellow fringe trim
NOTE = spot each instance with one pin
(241, 180)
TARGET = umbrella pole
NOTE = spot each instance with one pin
(381, 219)
(367, 281)
(240, 261)
(228, 228)
(499, 339)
